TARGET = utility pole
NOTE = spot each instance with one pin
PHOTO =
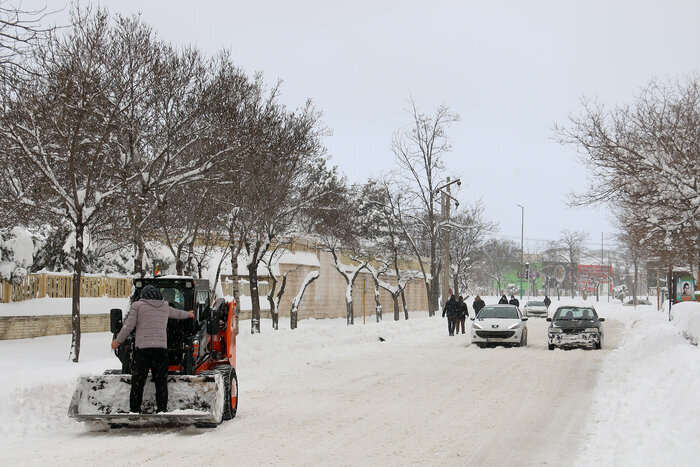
(446, 244)
(602, 260)
(445, 212)
(522, 256)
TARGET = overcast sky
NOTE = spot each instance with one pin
(510, 69)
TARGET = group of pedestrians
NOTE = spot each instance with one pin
(513, 301)
(457, 312)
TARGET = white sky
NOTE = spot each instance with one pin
(511, 69)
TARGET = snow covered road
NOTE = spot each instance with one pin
(328, 394)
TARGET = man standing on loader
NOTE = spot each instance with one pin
(149, 316)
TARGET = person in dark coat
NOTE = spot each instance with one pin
(463, 313)
(478, 305)
(514, 301)
(547, 301)
(503, 300)
(149, 317)
(452, 311)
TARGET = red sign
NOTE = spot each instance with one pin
(590, 275)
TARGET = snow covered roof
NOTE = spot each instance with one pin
(302, 258)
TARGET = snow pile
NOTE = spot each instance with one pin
(686, 316)
(645, 409)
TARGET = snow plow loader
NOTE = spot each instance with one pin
(202, 382)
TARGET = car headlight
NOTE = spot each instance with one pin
(476, 326)
(514, 326)
(590, 330)
(554, 329)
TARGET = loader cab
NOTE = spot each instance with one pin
(183, 293)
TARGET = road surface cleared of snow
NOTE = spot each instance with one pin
(330, 394)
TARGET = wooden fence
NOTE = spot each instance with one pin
(58, 286)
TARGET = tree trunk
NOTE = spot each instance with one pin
(395, 299)
(234, 277)
(350, 316)
(403, 303)
(254, 299)
(455, 285)
(294, 312)
(293, 317)
(75, 312)
(377, 303)
(274, 313)
(140, 246)
(634, 288)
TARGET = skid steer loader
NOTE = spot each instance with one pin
(202, 382)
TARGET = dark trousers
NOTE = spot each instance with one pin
(460, 322)
(157, 361)
(451, 322)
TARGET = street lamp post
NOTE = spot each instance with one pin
(522, 231)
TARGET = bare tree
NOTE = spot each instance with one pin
(468, 235)
(643, 160)
(569, 249)
(168, 134)
(419, 149)
(59, 125)
(20, 30)
(499, 256)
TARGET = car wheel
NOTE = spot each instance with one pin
(599, 345)
(550, 346)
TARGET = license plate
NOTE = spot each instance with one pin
(494, 339)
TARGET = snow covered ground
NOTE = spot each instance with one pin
(329, 394)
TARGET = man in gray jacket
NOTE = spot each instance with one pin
(149, 316)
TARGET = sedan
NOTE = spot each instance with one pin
(535, 308)
(575, 326)
(499, 324)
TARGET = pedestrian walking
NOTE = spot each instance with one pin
(547, 302)
(478, 305)
(514, 301)
(503, 300)
(463, 313)
(451, 310)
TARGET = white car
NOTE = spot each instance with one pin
(499, 324)
(535, 308)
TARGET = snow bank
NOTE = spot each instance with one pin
(686, 317)
(645, 409)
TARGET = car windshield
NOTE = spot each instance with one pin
(575, 313)
(532, 303)
(501, 312)
(173, 296)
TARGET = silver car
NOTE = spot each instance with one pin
(535, 308)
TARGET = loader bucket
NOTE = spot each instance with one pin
(191, 400)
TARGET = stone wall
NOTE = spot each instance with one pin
(325, 297)
(24, 327)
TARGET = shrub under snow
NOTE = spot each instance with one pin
(16, 254)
